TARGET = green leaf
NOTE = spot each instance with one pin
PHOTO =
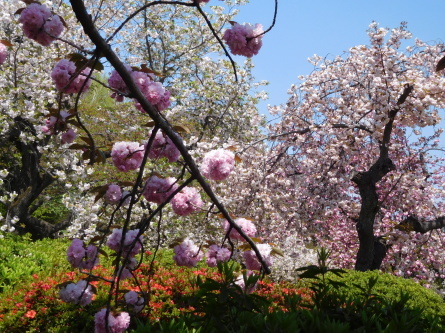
(277, 252)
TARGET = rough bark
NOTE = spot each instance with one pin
(366, 182)
(28, 180)
(371, 253)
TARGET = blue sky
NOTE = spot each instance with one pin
(328, 27)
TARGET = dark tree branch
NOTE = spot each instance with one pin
(90, 29)
(412, 223)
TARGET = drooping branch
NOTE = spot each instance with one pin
(102, 46)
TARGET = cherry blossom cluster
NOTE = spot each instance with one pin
(163, 146)
(68, 79)
(134, 301)
(187, 201)
(187, 253)
(251, 260)
(127, 156)
(77, 293)
(157, 189)
(39, 24)
(116, 324)
(129, 245)
(218, 164)
(113, 194)
(216, 254)
(55, 124)
(244, 39)
(3, 53)
(155, 93)
(82, 257)
(246, 226)
(184, 203)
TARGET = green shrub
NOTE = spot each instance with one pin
(391, 288)
(21, 257)
(202, 300)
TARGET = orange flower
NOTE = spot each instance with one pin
(30, 314)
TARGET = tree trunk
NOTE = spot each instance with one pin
(29, 180)
(370, 254)
(367, 257)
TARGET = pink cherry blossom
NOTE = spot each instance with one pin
(77, 293)
(187, 254)
(3, 53)
(243, 40)
(170, 152)
(116, 324)
(218, 164)
(115, 81)
(163, 146)
(187, 201)
(67, 78)
(115, 242)
(68, 136)
(153, 91)
(81, 257)
(157, 95)
(251, 259)
(133, 299)
(216, 254)
(246, 226)
(55, 124)
(157, 189)
(113, 194)
(127, 155)
(40, 24)
(76, 252)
